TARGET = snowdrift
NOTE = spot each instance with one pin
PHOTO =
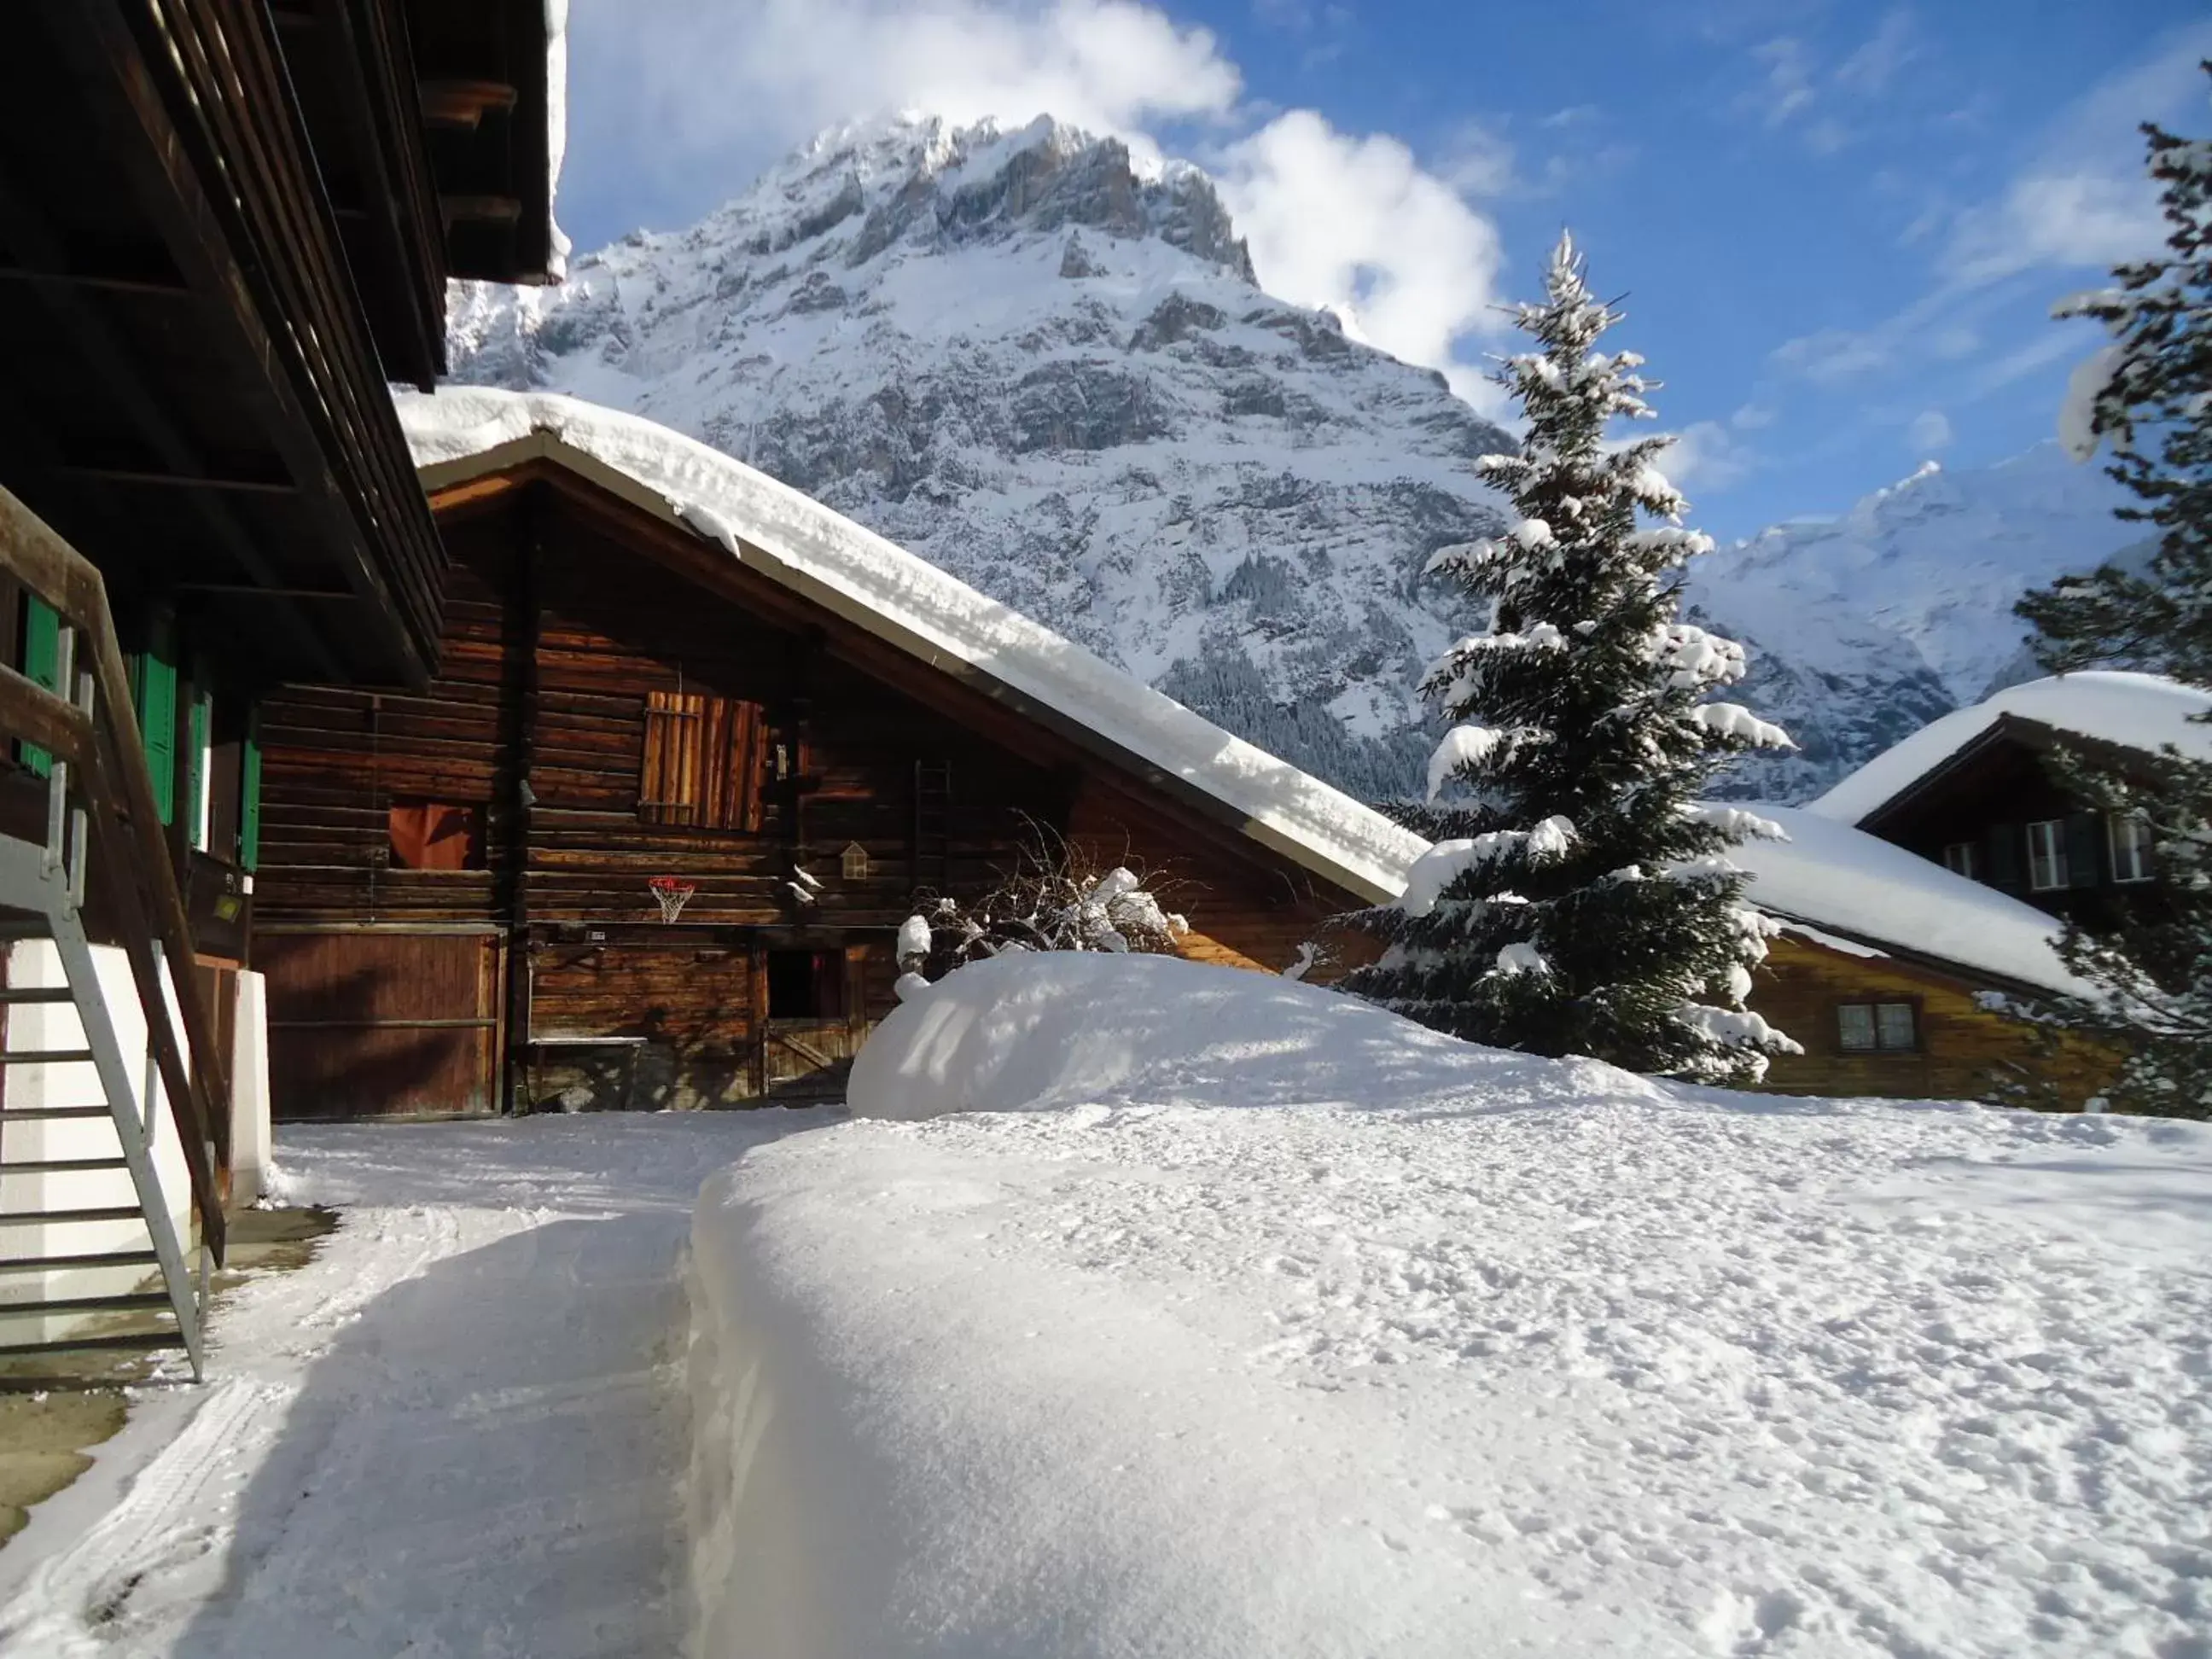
(1030, 1033)
(1428, 1350)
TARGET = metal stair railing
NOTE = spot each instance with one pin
(102, 824)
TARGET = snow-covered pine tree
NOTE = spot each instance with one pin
(2149, 393)
(1579, 899)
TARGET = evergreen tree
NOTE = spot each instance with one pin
(1579, 899)
(2149, 393)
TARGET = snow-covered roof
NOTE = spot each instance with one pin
(796, 541)
(1834, 877)
(2140, 711)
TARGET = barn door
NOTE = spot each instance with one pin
(813, 1023)
(378, 1023)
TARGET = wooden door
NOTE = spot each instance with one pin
(807, 1054)
(382, 1023)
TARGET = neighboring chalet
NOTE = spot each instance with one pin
(658, 665)
(1891, 972)
(1973, 791)
(226, 226)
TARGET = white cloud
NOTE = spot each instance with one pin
(1355, 224)
(1706, 455)
(1831, 355)
(1930, 431)
(1351, 221)
(1869, 70)
(1785, 87)
(2076, 219)
(750, 77)
(1478, 160)
(1754, 418)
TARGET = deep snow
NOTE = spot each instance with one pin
(459, 1430)
(1430, 1350)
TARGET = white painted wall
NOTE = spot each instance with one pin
(35, 962)
(250, 1134)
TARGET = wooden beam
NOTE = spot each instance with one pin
(114, 365)
(249, 590)
(128, 475)
(463, 104)
(327, 409)
(480, 209)
(167, 287)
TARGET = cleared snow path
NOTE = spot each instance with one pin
(459, 1430)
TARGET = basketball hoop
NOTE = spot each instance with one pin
(672, 893)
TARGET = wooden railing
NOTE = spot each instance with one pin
(96, 736)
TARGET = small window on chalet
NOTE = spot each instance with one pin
(2046, 855)
(2131, 841)
(1964, 858)
(703, 760)
(436, 836)
(806, 985)
(852, 862)
(1866, 1027)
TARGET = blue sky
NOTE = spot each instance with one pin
(1838, 229)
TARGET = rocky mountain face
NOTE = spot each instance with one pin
(1052, 372)
(1862, 628)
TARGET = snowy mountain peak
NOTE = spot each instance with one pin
(1046, 367)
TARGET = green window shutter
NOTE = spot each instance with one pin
(200, 726)
(249, 797)
(42, 654)
(154, 683)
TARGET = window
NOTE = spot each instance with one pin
(702, 761)
(1963, 858)
(436, 836)
(2046, 855)
(806, 985)
(1864, 1028)
(854, 861)
(2131, 841)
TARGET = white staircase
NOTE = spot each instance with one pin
(110, 1218)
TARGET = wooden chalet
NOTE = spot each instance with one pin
(226, 226)
(1976, 793)
(656, 663)
(1894, 974)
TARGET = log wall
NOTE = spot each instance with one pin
(1966, 1052)
(561, 626)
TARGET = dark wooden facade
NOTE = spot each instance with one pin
(1985, 809)
(578, 625)
(225, 226)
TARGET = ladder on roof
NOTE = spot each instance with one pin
(94, 1246)
(932, 825)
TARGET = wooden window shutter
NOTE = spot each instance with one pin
(2081, 839)
(249, 797)
(702, 761)
(154, 687)
(2004, 856)
(42, 661)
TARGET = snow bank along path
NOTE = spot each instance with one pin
(1419, 1349)
(796, 540)
(459, 1430)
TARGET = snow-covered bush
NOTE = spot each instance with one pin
(1056, 898)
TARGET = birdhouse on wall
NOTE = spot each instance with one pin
(854, 861)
